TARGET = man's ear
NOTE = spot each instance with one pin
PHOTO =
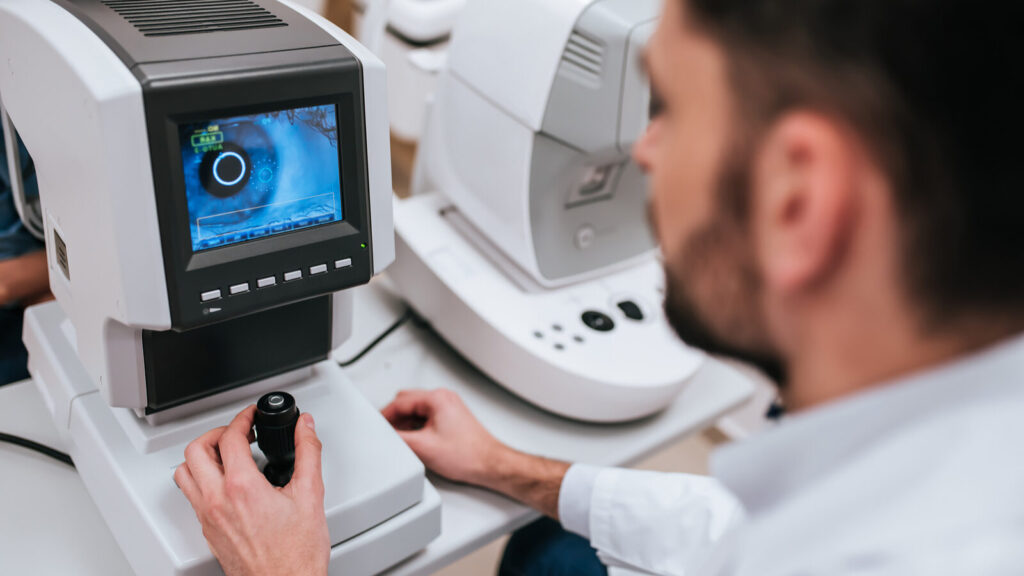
(804, 200)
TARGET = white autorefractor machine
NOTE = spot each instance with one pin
(412, 38)
(212, 178)
(526, 243)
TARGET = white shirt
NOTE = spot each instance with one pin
(924, 475)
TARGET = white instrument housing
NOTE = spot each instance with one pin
(162, 331)
(543, 167)
(412, 38)
(526, 243)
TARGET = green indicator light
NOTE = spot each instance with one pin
(363, 245)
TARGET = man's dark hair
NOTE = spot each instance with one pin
(933, 89)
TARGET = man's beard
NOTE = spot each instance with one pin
(691, 327)
(718, 262)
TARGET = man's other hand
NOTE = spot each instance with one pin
(24, 279)
(252, 527)
(451, 441)
(444, 434)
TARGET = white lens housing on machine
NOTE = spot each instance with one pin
(526, 243)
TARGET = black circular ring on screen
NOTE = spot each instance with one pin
(225, 172)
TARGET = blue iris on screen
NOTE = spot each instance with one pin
(254, 176)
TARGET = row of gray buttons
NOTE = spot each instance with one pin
(272, 280)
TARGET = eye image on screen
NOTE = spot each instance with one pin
(254, 176)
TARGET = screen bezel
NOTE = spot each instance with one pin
(213, 89)
(207, 118)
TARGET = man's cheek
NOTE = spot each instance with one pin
(654, 216)
(660, 210)
(677, 212)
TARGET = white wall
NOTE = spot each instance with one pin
(319, 6)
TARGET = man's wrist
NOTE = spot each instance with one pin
(532, 480)
(499, 463)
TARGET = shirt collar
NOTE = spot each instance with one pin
(764, 470)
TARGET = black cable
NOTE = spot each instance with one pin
(37, 447)
(408, 315)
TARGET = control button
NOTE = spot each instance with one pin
(266, 282)
(598, 321)
(211, 295)
(631, 310)
(343, 263)
(293, 275)
(239, 288)
(585, 237)
(318, 269)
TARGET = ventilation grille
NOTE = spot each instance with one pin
(60, 250)
(584, 56)
(175, 17)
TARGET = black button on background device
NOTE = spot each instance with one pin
(631, 310)
(598, 321)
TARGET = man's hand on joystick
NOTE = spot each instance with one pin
(252, 527)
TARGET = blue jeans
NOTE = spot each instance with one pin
(13, 357)
(545, 549)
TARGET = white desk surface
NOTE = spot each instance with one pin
(49, 524)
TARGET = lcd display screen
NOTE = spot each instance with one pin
(254, 176)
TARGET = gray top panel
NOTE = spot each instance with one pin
(590, 88)
(147, 31)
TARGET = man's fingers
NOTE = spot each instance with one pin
(411, 403)
(416, 440)
(234, 444)
(204, 462)
(187, 484)
(307, 473)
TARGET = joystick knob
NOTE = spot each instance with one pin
(276, 416)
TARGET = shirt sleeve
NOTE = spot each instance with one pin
(575, 496)
(651, 522)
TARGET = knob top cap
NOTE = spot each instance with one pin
(276, 409)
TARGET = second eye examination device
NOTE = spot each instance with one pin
(526, 243)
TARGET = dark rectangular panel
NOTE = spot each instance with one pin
(186, 366)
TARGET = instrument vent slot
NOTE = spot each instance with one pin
(584, 56)
(178, 17)
(60, 250)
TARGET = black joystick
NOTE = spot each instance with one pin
(276, 416)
